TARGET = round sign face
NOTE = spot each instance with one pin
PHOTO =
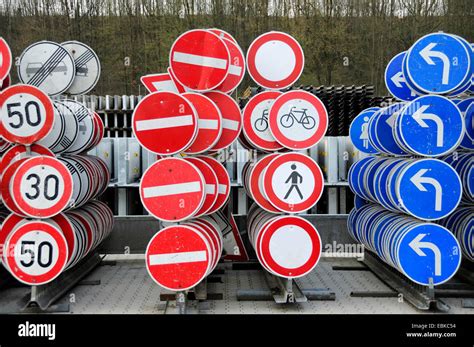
(275, 60)
(429, 251)
(431, 126)
(438, 63)
(200, 60)
(223, 180)
(359, 132)
(236, 68)
(48, 66)
(210, 179)
(395, 80)
(86, 127)
(165, 123)
(209, 123)
(255, 123)
(71, 130)
(27, 114)
(298, 119)
(178, 257)
(381, 132)
(87, 67)
(256, 183)
(432, 181)
(41, 187)
(5, 59)
(231, 119)
(290, 246)
(172, 189)
(57, 132)
(293, 182)
(37, 253)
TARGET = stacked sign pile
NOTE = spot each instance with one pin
(189, 112)
(431, 121)
(44, 173)
(288, 182)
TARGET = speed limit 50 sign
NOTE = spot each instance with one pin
(27, 114)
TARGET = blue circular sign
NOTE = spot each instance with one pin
(429, 253)
(428, 189)
(438, 63)
(384, 123)
(431, 126)
(359, 132)
(395, 80)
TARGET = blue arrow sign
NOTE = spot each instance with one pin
(359, 132)
(429, 251)
(438, 63)
(430, 125)
(428, 189)
(395, 80)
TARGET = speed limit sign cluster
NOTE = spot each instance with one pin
(36, 252)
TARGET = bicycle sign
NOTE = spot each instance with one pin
(256, 128)
(298, 120)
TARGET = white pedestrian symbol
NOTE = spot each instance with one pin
(364, 136)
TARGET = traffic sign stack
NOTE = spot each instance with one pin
(393, 181)
(45, 174)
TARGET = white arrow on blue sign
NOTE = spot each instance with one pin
(428, 189)
(395, 80)
(438, 63)
(431, 126)
(429, 253)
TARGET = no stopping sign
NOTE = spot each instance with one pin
(27, 114)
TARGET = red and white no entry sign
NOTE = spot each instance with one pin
(172, 189)
(200, 60)
(41, 187)
(256, 127)
(27, 114)
(236, 68)
(275, 60)
(231, 119)
(290, 246)
(5, 59)
(298, 119)
(161, 82)
(210, 179)
(37, 253)
(293, 182)
(209, 123)
(223, 180)
(178, 257)
(165, 123)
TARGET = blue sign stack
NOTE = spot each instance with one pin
(414, 204)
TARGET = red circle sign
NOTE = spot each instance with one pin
(223, 180)
(27, 114)
(231, 119)
(298, 120)
(19, 152)
(293, 182)
(256, 126)
(36, 253)
(290, 246)
(209, 123)
(236, 68)
(199, 60)
(41, 187)
(178, 257)
(275, 60)
(256, 183)
(172, 189)
(5, 59)
(211, 184)
(165, 123)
